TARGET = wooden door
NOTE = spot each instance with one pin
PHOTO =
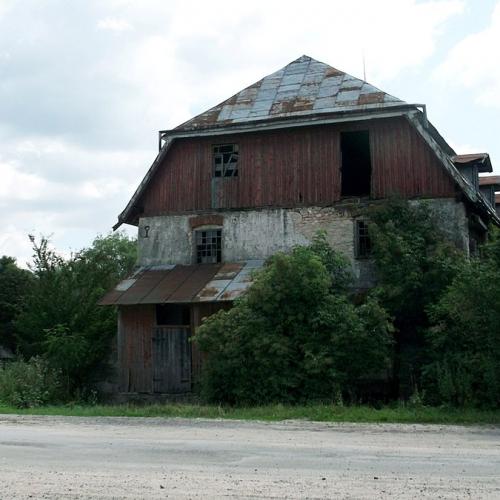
(171, 360)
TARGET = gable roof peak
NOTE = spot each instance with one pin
(304, 87)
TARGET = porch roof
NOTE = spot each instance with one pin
(183, 284)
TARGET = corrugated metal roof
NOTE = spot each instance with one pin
(303, 87)
(184, 284)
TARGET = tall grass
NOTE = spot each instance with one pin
(273, 413)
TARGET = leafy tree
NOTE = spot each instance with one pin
(61, 319)
(14, 284)
(462, 366)
(294, 336)
(415, 263)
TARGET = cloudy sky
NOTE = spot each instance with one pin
(85, 86)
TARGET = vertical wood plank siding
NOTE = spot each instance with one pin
(136, 324)
(135, 327)
(295, 167)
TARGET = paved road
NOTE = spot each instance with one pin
(68, 457)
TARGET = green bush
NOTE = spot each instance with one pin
(295, 336)
(462, 359)
(27, 384)
(61, 319)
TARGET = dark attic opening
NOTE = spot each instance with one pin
(356, 163)
(172, 314)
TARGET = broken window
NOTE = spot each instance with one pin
(356, 163)
(225, 160)
(208, 246)
(363, 242)
(172, 315)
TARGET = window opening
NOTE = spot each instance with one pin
(208, 246)
(225, 160)
(363, 241)
(356, 163)
(172, 315)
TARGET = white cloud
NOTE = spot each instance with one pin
(114, 24)
(78, 121)
(473, 63)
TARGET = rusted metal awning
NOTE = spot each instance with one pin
(184, 284)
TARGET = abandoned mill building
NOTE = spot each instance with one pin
(298, 151)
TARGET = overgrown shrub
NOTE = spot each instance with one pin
(294, 336)
(415, 263)
(462, 359)
(27, 384)
(61, 320)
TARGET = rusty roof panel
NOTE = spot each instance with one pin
(196, 283)
(110, 298)
(170, 281)
(303, 87)
(144, 283)
(481, 160)
(188, 290)
(212, 290)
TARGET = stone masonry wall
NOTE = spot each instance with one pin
(257, 234)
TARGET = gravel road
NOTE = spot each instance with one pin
(69, 457)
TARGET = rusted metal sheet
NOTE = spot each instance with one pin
(303, 87)
(144, 283)
(186, 284)
(189, 289)
(171, 280)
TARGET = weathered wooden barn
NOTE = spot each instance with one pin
(298, 151)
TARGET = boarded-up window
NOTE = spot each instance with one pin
(225, 160)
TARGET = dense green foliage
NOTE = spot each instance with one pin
(61, 320)
(415, 263)
(430, 327)
(29, 384)
(295, 336)
(463, 355)
(14, 284)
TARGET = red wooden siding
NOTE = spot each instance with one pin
(294, 167)
(135, 327)
(403, 164)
